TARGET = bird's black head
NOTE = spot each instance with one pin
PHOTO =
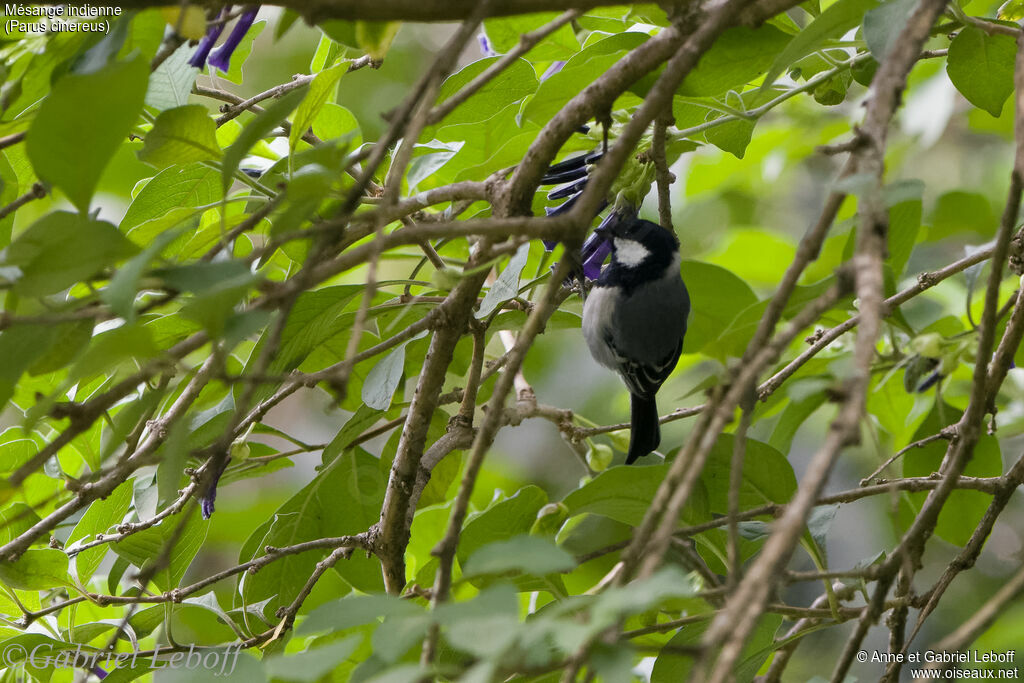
(641, 245)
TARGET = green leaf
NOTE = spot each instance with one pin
(63, 248)
(315, 318)
(356, 611)
(733, 341)
(344, 498)
(642, 595)
(120, 293)
(382, 381)
(671, 666)
(216, 287)
(363, 419)
(833, 91)
(425, 165)
(964, 509)
(981, 67)
(486, 625)
(502, 520)
(241, 666)
(504, 32)
(883, 24)
(506, 285)
(335, 121)
(579, 72)
(148, 545)
(101, 516)
(20, 648)
(959, 212)
(375, 36)
(313, 664)
(820, 521)
(15, 450)
(256, 130)
(510, 86)
(320, 90)
(9, 191)
(732, 137)
(904, 224)
(839, 18)
(767, 475)
(171, 83)
(526, 554)
(793, 416)
(181, 136)
(396, 637)
(108, 350)
(70, 338)
(188, 21)
(716, 298)
(36, 570)
(739, 56)
(205, 276)
(625, 494)
(1011, 10)
(498, 600)
(340, 31)
(169, 198)
(82, 123)
(17, 518)
(753, 254)
(20, 347)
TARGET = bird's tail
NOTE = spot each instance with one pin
(645, 434)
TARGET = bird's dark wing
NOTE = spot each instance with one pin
(644, 379)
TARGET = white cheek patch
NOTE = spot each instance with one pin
(630, 253)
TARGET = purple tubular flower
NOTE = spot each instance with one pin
(221, 58)
(561, 208)
(570, 169)
(206, 503)
(593, 261)
(551, 70)
(209, 40)
(485, 46)
(217, 466)
(935, 377)
(930, 381)
(569, 176)
(99, 672)
(571, 164)
(598, 246)
(568, 190)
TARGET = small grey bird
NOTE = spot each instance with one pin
(634, 319)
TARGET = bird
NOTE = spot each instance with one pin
(634, 319)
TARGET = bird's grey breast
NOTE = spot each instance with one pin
(599, 312)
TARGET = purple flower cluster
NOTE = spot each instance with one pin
(221, 57)
(571, 175)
